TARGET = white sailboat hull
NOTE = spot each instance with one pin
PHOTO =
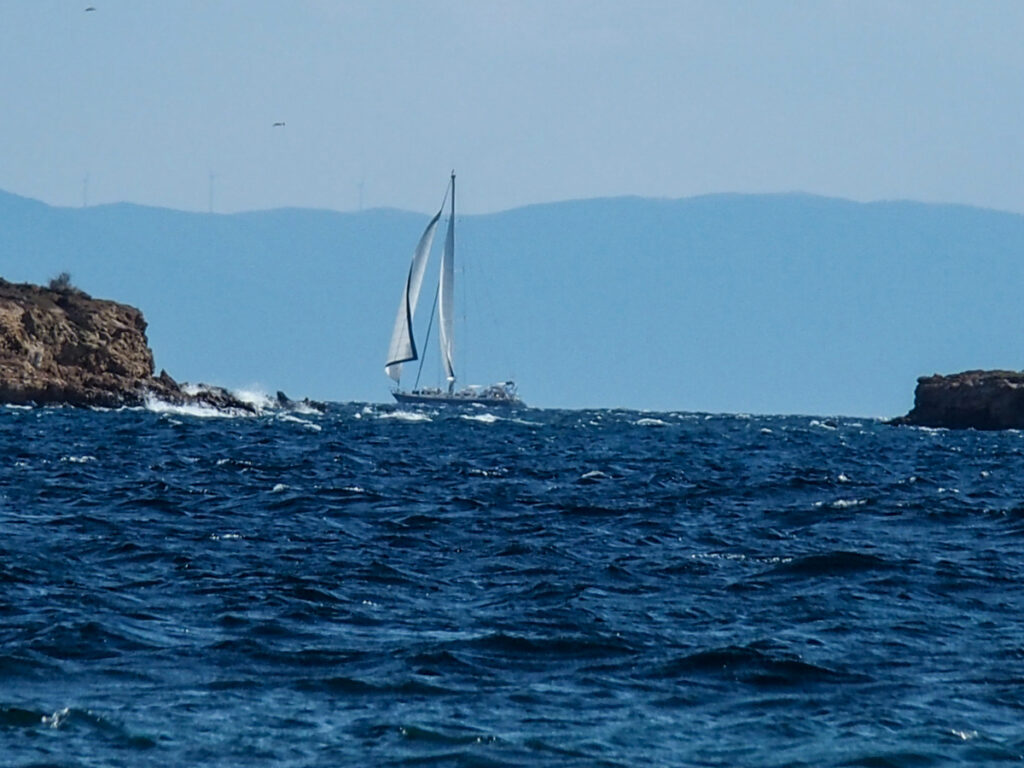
(492, 397)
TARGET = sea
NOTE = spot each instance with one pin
(381, 587)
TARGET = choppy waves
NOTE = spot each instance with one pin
(551, 588)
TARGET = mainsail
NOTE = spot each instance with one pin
(403, 346)
(446, 306)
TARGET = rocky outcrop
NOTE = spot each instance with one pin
(969, 400)
(304, 405)
(60, 346)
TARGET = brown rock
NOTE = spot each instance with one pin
(64, 347)
(968, 400)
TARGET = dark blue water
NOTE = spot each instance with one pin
(562, 589)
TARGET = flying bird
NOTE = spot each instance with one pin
(278, 125)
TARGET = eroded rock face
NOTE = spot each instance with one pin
(969, 400)
(64, 347)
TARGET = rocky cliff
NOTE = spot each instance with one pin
(62, 346)
(969, 400)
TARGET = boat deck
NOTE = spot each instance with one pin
(443, 398)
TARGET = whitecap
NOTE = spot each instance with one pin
(846, 503)
(57, 719)
(843, 503)
(594, 474)
(488, 472)
(225, 536)
(198, 411)
(255, 397)
(646, 422)
(718, 556)
(78, 459)
(279, 488)
(525, 423)
(684, 416)
(296, 420)
(258, 400)
(304, 408)
(410, 416)
(483, 418)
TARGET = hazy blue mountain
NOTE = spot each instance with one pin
(759, 303)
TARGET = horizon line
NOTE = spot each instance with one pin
(566, 201)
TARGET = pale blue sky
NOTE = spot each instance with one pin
(531, 101)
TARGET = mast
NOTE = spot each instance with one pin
(446, 308)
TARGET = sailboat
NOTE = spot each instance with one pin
(403, 345)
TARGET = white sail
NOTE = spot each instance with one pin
(446, 305)
(403, 346)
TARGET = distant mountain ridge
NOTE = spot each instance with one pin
(782, 303)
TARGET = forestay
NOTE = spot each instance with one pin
(446, 305)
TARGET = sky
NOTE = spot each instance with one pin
(172, 103)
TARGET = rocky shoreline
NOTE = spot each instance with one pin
(986, 400)
(60, 346)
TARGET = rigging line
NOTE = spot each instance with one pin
(426, 341)
(433, 309)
